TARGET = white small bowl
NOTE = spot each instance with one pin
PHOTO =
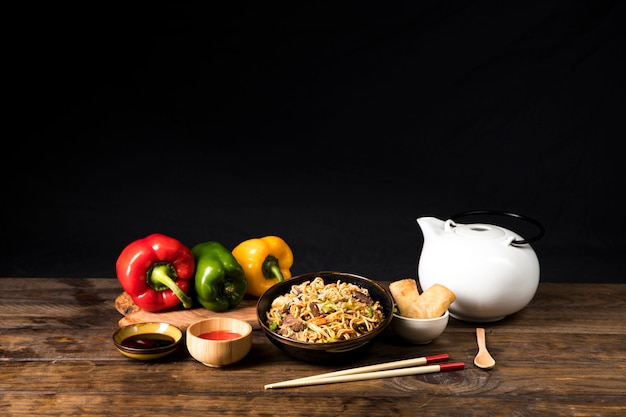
(219, 352)
(419, 331)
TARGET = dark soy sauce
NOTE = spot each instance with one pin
(148, 341)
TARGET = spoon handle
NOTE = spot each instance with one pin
(480, 338)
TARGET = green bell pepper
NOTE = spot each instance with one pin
(220, 282)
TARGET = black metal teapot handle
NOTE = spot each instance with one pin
(538, 236)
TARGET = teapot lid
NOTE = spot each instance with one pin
(485, 230)
(478, 230)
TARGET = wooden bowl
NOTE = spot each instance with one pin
(147, 341)
(219, 341)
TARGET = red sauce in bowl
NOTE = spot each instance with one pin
(219, 335)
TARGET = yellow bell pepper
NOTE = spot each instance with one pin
(265, 261)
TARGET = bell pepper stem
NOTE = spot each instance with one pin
(159, 277)
(276, 273)
(271, 269)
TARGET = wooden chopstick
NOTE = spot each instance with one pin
(381, 366)
(415, 370)
(383, 370)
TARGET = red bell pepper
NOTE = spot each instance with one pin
(156, 272)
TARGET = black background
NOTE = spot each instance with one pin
(334, 125)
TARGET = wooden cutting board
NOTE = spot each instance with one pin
(180, 317)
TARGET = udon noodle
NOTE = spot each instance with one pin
(316, 312)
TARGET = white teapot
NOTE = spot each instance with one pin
(493, 271)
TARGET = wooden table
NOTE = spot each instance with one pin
(563, 355)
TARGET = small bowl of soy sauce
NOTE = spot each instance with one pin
(147, 341)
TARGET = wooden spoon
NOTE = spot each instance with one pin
(483, 358)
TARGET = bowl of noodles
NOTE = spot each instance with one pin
(325, 316)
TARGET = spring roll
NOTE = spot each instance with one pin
(432, 303)
(404, 293)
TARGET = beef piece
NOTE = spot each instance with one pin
(364, 298)
(294, 323)
(315, 310)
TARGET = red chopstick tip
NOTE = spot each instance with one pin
(437, 358)
(453, 366)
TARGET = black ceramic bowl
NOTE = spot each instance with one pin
(326, 352)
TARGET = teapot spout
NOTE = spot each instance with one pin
(431, 226)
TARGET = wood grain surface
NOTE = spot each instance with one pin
(563, 355)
